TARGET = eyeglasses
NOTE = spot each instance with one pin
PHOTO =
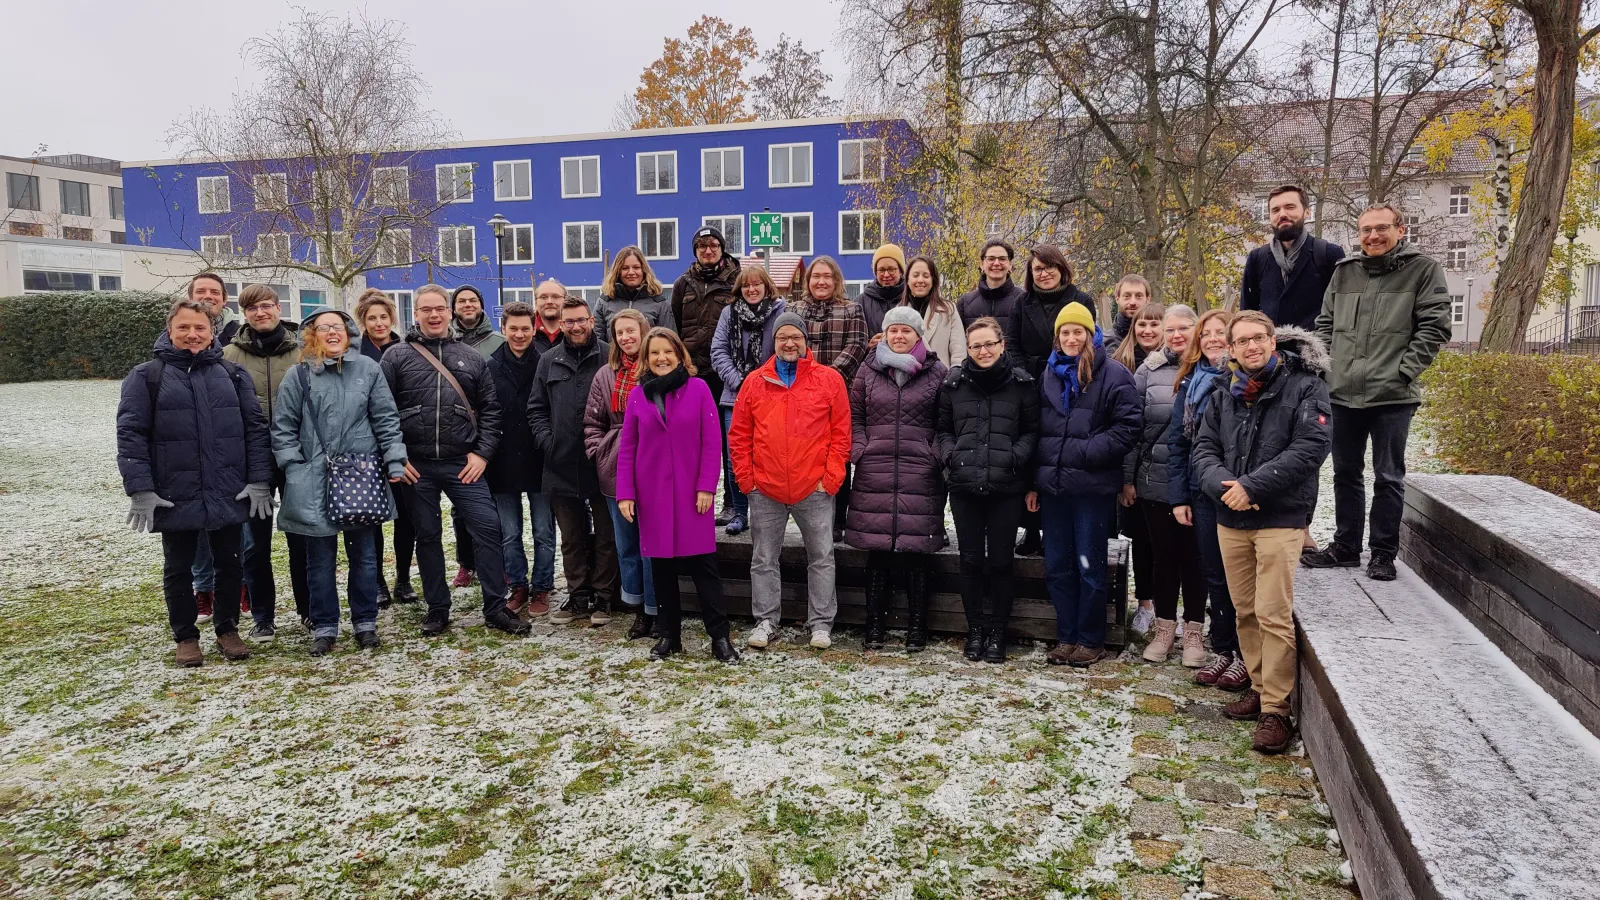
(1254, 340)
(328, 329)
(990, 259)
(262, 306)
(574, 323)
(1383, 228)
(985, 346)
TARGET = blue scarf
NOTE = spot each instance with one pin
(1202, 381)
(1066, 369)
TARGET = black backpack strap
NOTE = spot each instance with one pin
(152, 381)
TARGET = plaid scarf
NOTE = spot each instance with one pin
(1247, 387)
(627, 377)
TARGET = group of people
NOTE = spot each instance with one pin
(1200, 436)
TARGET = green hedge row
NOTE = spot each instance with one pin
(45, 337)
(1535, 418)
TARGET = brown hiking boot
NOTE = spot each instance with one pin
(189, 655)
(1244, 709)
(1060, 654)
(539, 605)
(232, 647)
(1274, 733)
(517, 600)
(1084, 657)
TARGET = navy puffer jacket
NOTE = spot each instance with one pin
(1082, 451)
(203, 442)
(897, 496)
(1147, 467)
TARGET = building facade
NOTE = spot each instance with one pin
(74, 197)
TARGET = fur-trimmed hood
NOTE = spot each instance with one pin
(1305, 349)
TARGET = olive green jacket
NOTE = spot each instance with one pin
(1383, 319)
(266, 364)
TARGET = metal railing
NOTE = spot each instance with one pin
(1577, 331)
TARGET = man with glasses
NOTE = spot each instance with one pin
(451, 424)
(1261, 443)
(1384, 318)
(996, 294)
(555, 413)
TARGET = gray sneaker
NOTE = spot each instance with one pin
(572, 608)
(263, 633)
(600, 613)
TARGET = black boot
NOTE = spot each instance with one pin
(917, 596)
(994, 646)
(1002, 588)
(384, 600)
(643, 625)
(973, 570)
(722, 649)
(666, 647)
(973, 648)
(877, 607)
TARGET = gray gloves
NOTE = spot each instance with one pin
(260, 495)
(142, 511)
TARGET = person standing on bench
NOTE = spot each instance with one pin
(1089, 418)
(896, 510)
(1259, 450)
(790, 441)
(1384, 319)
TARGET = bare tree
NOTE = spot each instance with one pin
(792, 84)
(326, 156)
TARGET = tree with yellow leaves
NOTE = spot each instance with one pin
(699, 80)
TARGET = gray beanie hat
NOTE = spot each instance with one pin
(904, 315)
(790, 318)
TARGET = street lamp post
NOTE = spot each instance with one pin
(1566, 303)
(1469, 314)
(499, 223)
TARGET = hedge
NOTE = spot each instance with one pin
(1535, 418)
(44, 337)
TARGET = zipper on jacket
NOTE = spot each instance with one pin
(894, 513)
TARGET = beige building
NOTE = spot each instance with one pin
(73, 197)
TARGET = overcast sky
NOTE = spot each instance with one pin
(108, 78)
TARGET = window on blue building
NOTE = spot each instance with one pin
(517, 245)
(513, 180)
(722, 169)
(796, 234)
(860, 161)
(658, 238)
(454, 182)
(271, 190)
(732, 228)
(458, 245)
(394, 248)
(860, 231)
(580, 242)
(789, 165)
(216, 245)
(273, 247)
(213, 190)
(580, 176)
(658, 172)
(391, 186)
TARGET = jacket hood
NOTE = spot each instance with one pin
(1158, 358)
(349, 325)
(481, 330)
(1304, 350)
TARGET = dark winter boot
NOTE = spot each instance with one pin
(918, 594)
(1002, 589)
(643, 625)
(877, 607)
(722, 649)
(972, 572)
(973, 648)
(994, 646)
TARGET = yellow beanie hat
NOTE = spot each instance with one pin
(1075, 314)
(890, 251)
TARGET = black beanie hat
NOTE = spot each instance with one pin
(708, 231)
(465, 287)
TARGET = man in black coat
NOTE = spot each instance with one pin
(1258, 452)
(1287, 276)
(555, 414)
(451, 426)
(996, 294)
(515, 470)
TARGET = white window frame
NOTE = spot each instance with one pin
(279, 188)
(1458, 309)
(206, 187)
(208, 245)
(600, 244)
(510, 241)
(591, 293)
(580, 160)
(863, 213)
(677, 237)
(720, 223)
(811, 167)
(1455, 258)
(1463, 194)
(723, 166)
(638, 165)
(514, 294)
(788, 232)
(280, 253)
(402, 301)
(511, 193)
(1413, 230)
(862, 145)
(455, 175)
(384, 259)
(382, 179)
(455, 245)
(859, 286)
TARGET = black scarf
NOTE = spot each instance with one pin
(991, 379)
(750, 323)
(520, 368)
(891, 294)
(920, 304)
(268, 343)
(997, 293)
(625, 294)
(657, 387)
(1053, 299)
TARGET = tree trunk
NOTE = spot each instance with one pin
(1331, 122)
(1499, 150)
(1544, 187)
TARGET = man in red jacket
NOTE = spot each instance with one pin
(782, 410)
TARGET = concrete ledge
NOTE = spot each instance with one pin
(1524, 567)
(1450, 772)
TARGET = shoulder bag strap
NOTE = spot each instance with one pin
(434, 361)
(309, 411)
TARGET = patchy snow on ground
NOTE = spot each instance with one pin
(565, 764)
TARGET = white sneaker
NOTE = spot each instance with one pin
(1143, 619)
(820, 639)
(761, 635)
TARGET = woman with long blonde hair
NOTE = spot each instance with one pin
(630, 284)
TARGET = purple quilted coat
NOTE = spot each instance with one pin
(897, 495)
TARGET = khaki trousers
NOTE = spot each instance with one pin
(1261, 566)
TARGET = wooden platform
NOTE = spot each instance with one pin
(1032, 616)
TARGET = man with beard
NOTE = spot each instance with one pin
(1287, 276)
(517, 465)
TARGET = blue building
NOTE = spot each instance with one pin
(572, 202)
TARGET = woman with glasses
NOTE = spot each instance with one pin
(988, 424)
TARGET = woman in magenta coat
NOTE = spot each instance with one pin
(669, 488)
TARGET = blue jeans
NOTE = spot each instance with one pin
(322, 563)
(204, 570)
(635, 572)
(1224, 624)
(737, 501)
(544, 540)
(1076, 529)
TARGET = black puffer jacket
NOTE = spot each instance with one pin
(433, 418)
(1146, 466)
(555, 413)
(697, 303)
(1274, 447)
(987, 429)
(517, 463)
(999, 303)
(657, 310)
(1030, 336)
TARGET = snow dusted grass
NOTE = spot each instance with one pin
(480, 765)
